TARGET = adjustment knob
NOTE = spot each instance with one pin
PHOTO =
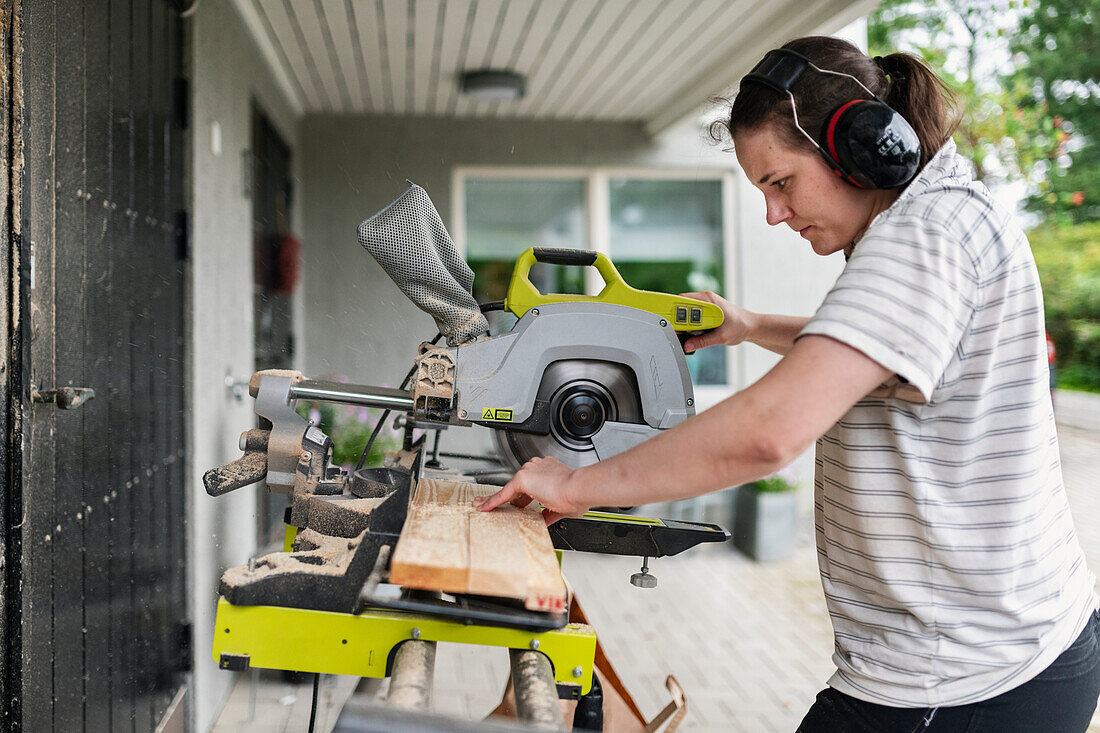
(644, 579)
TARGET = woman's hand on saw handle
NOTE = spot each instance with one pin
(546, 480)
(773, 332)
(737, 323)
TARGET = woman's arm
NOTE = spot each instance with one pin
(749, 435)
(773, 332)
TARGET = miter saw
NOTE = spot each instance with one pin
(578, 377)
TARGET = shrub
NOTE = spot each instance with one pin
(350, 428)
(1068, 258)
(773, 484)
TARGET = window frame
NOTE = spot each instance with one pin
(597, 199)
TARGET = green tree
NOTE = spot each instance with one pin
(1068, 258)
(1002, 128)
(1034, 116)
(1060, 40)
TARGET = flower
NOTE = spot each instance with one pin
(1078, 198)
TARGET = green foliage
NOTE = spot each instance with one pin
(350, 428)
(1080, 377)
(1003, 130)
(774, 484)
(1060, 42)
(1068, 258)
(1035, 119)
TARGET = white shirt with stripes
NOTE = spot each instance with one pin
(949, 561)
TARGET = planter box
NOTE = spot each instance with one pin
(765, 523)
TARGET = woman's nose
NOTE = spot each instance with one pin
(778, 212)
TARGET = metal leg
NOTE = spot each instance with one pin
(589, 712)
(253, 683)
(433, 462)
(536, 691)
(411, 678)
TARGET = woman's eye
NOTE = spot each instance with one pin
(780, 184)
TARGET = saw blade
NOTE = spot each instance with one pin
(583, 395)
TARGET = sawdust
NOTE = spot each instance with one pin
(324, 555)
(339, 516)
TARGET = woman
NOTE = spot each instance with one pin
(957, 589)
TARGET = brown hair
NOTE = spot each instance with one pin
(901, 80)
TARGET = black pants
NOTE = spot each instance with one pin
(1060, 700)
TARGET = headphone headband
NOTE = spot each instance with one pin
(779, 70)
(888, 151)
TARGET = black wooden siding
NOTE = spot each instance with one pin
(96, 551)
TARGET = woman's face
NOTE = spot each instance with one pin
(801, 191)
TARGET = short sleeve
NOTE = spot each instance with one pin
(905, 299)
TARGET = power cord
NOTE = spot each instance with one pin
(313, 707)
(386, 414)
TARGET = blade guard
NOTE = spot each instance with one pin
(685, 314)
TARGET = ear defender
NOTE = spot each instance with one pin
(870, 145)
(864, 141)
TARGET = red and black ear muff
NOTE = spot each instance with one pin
(870, 145)
(864, 141)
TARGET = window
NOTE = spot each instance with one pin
(667, 236)
(505, 217)
(664, 231)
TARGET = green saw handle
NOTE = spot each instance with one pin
(685, 314)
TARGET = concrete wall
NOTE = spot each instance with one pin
(227, 74)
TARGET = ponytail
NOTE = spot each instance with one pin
(920, 96)
(901, 80)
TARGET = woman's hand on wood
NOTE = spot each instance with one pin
(546, 480)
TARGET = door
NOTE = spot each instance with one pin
(275, 265)
(95, 525)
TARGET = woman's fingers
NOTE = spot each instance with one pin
(541, 479)
(698, 342)
(509, 493)
(704, 295)
(550, 517)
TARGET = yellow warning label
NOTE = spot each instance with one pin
(498, 414)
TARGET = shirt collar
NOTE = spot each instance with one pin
(946, 166)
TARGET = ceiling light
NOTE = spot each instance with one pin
(493, 85)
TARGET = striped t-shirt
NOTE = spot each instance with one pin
(949, 561)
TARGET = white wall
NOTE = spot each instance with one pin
(777, 273)
(227, 74)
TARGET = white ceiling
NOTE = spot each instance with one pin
(649, 61)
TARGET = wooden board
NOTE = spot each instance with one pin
(448, 545)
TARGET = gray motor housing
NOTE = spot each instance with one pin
(503, 372)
